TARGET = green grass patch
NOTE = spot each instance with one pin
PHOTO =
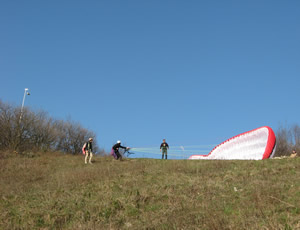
(53, 191)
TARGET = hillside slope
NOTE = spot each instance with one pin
(54, 191)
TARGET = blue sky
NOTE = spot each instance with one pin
(193, 72)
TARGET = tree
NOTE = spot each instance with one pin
(287, 139)
(39, 132)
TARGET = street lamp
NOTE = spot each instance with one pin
(25, 93)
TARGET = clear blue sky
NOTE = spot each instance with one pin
(193, 72)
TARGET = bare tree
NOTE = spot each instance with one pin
(39, 132)
(10, 126)
(287, 139)
(295, 133)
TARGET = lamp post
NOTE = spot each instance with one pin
(25, 93)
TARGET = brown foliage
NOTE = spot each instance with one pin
(36, 131)
(287, 140)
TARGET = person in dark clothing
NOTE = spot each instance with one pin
(164, 149)
(88, 150)
(116, 148)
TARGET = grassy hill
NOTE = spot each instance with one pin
(55, 191)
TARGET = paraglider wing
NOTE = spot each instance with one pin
(256, 144)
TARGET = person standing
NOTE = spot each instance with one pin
(164, 149)
(88, 150)
(115, 150)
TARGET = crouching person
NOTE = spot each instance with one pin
(87, 149)
(115, 150)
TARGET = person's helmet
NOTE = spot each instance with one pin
(90, 139)
(118, 142)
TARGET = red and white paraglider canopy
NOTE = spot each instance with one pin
(256, 144)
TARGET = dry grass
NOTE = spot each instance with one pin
(54, 191)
